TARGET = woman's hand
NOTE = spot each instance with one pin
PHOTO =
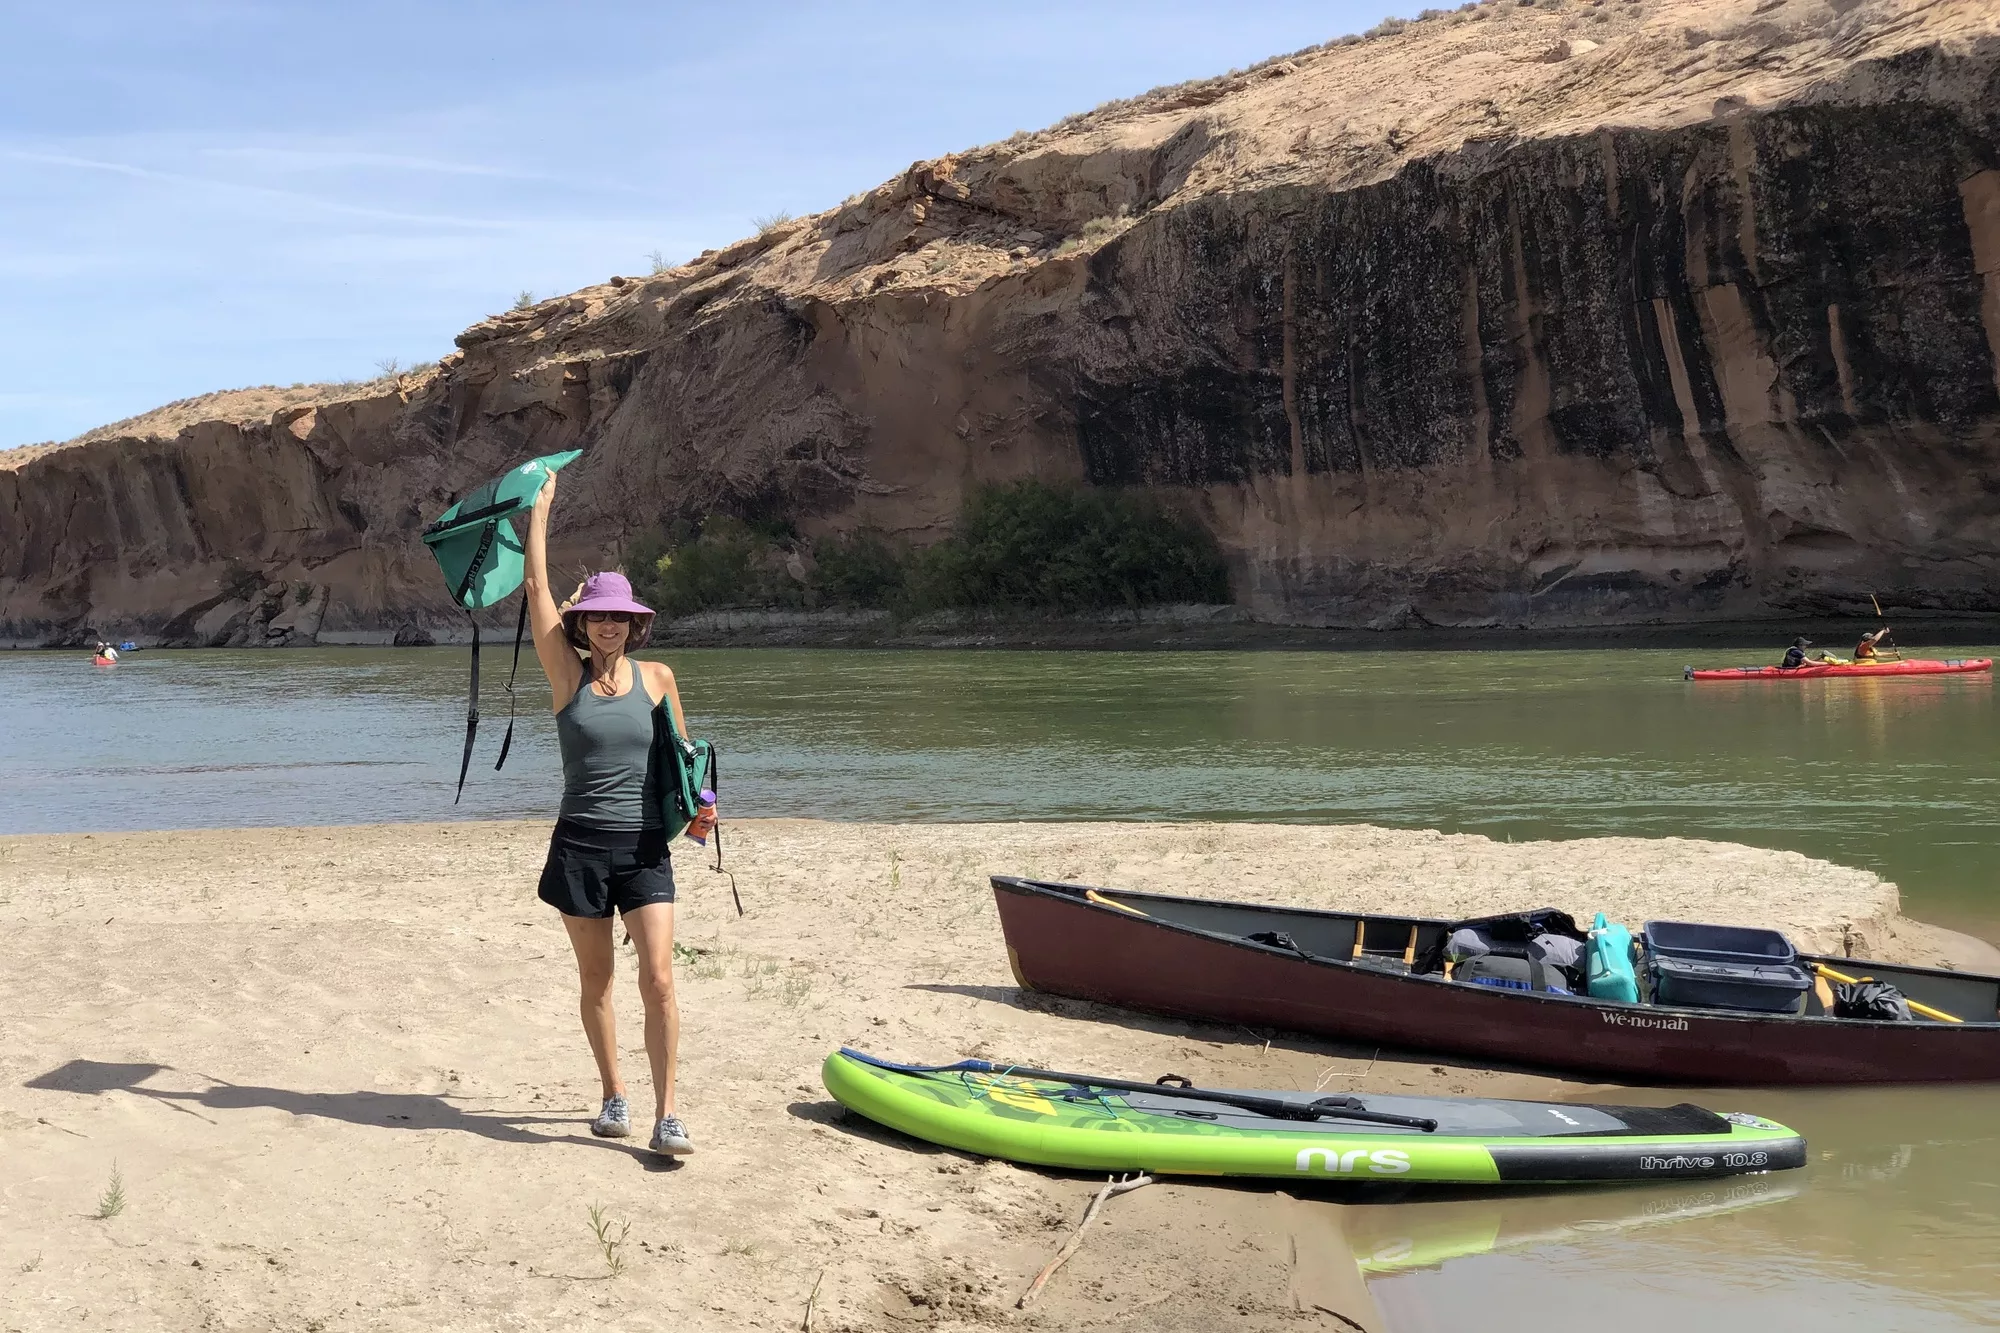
(559, 662)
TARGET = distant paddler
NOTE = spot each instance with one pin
(1871, 647)
(1798, 656)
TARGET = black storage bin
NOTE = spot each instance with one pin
(1723, 967)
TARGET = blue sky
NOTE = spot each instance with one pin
(206, 195)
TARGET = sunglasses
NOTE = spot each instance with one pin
(617, 617)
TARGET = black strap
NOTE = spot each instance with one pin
(520, 626)
(467, 520)
(715, 786)
(472, 703)
(478, 559)
(471, 712)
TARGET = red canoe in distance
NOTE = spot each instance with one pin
(1955, 666)
(1192, 958)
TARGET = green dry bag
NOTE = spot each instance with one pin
(686, 768)
(483, 561)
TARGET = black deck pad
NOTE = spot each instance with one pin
(1685, 1118)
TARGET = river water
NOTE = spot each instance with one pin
(1895, 1224)
(1890, 1228)
(1899, 776)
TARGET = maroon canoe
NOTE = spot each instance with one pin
(1193, 958)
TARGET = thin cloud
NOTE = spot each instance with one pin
(322, 159)
(265, 191)
(303, 159)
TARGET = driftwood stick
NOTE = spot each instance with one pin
(812, 1301)
(1120, 1186)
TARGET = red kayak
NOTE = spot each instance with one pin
(1916, 667)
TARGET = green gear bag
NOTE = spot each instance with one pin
(685, 767)
(483, 561)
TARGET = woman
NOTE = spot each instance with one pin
(609, 850)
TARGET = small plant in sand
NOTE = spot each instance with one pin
(31, 1265)
(793, 988)
(757, 974)
(610, 1238)
(704, 961)
(112, 1201)
(742, 1249)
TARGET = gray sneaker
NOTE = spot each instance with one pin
(670, 1136)
(614, 1121)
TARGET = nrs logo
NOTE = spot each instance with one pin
(1381, 1161)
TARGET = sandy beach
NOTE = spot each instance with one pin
(337, 1075)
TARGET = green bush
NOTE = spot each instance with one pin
(728, 564)
(860, 569)
(1033, 546)
(1028, 546)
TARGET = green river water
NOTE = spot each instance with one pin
(1895, 1224)
(1897, 775)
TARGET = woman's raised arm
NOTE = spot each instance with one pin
(559, 660)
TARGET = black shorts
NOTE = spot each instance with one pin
(592, 872)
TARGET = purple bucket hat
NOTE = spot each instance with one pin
(606, 592)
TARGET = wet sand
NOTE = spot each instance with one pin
(338, 1075)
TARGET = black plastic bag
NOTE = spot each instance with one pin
(1870, 999)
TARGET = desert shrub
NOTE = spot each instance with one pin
(860, 569)
(1033, 546)
(239, 581)
(770, 222)
(1029, 546)
(728, 563)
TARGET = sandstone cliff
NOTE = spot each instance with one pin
(1671, 310)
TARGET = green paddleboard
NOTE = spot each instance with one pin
(1087, 1124)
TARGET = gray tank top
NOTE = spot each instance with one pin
(605, 745)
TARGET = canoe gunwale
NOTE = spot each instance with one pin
(1061, 942)
(1843, 964)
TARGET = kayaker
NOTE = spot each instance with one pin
(608, 852)
(1795, 656)
(1866, 650)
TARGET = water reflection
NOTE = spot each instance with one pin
(1892, 1225)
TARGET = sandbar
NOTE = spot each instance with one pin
(338, 1073)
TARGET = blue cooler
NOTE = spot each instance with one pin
(1723, 967)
